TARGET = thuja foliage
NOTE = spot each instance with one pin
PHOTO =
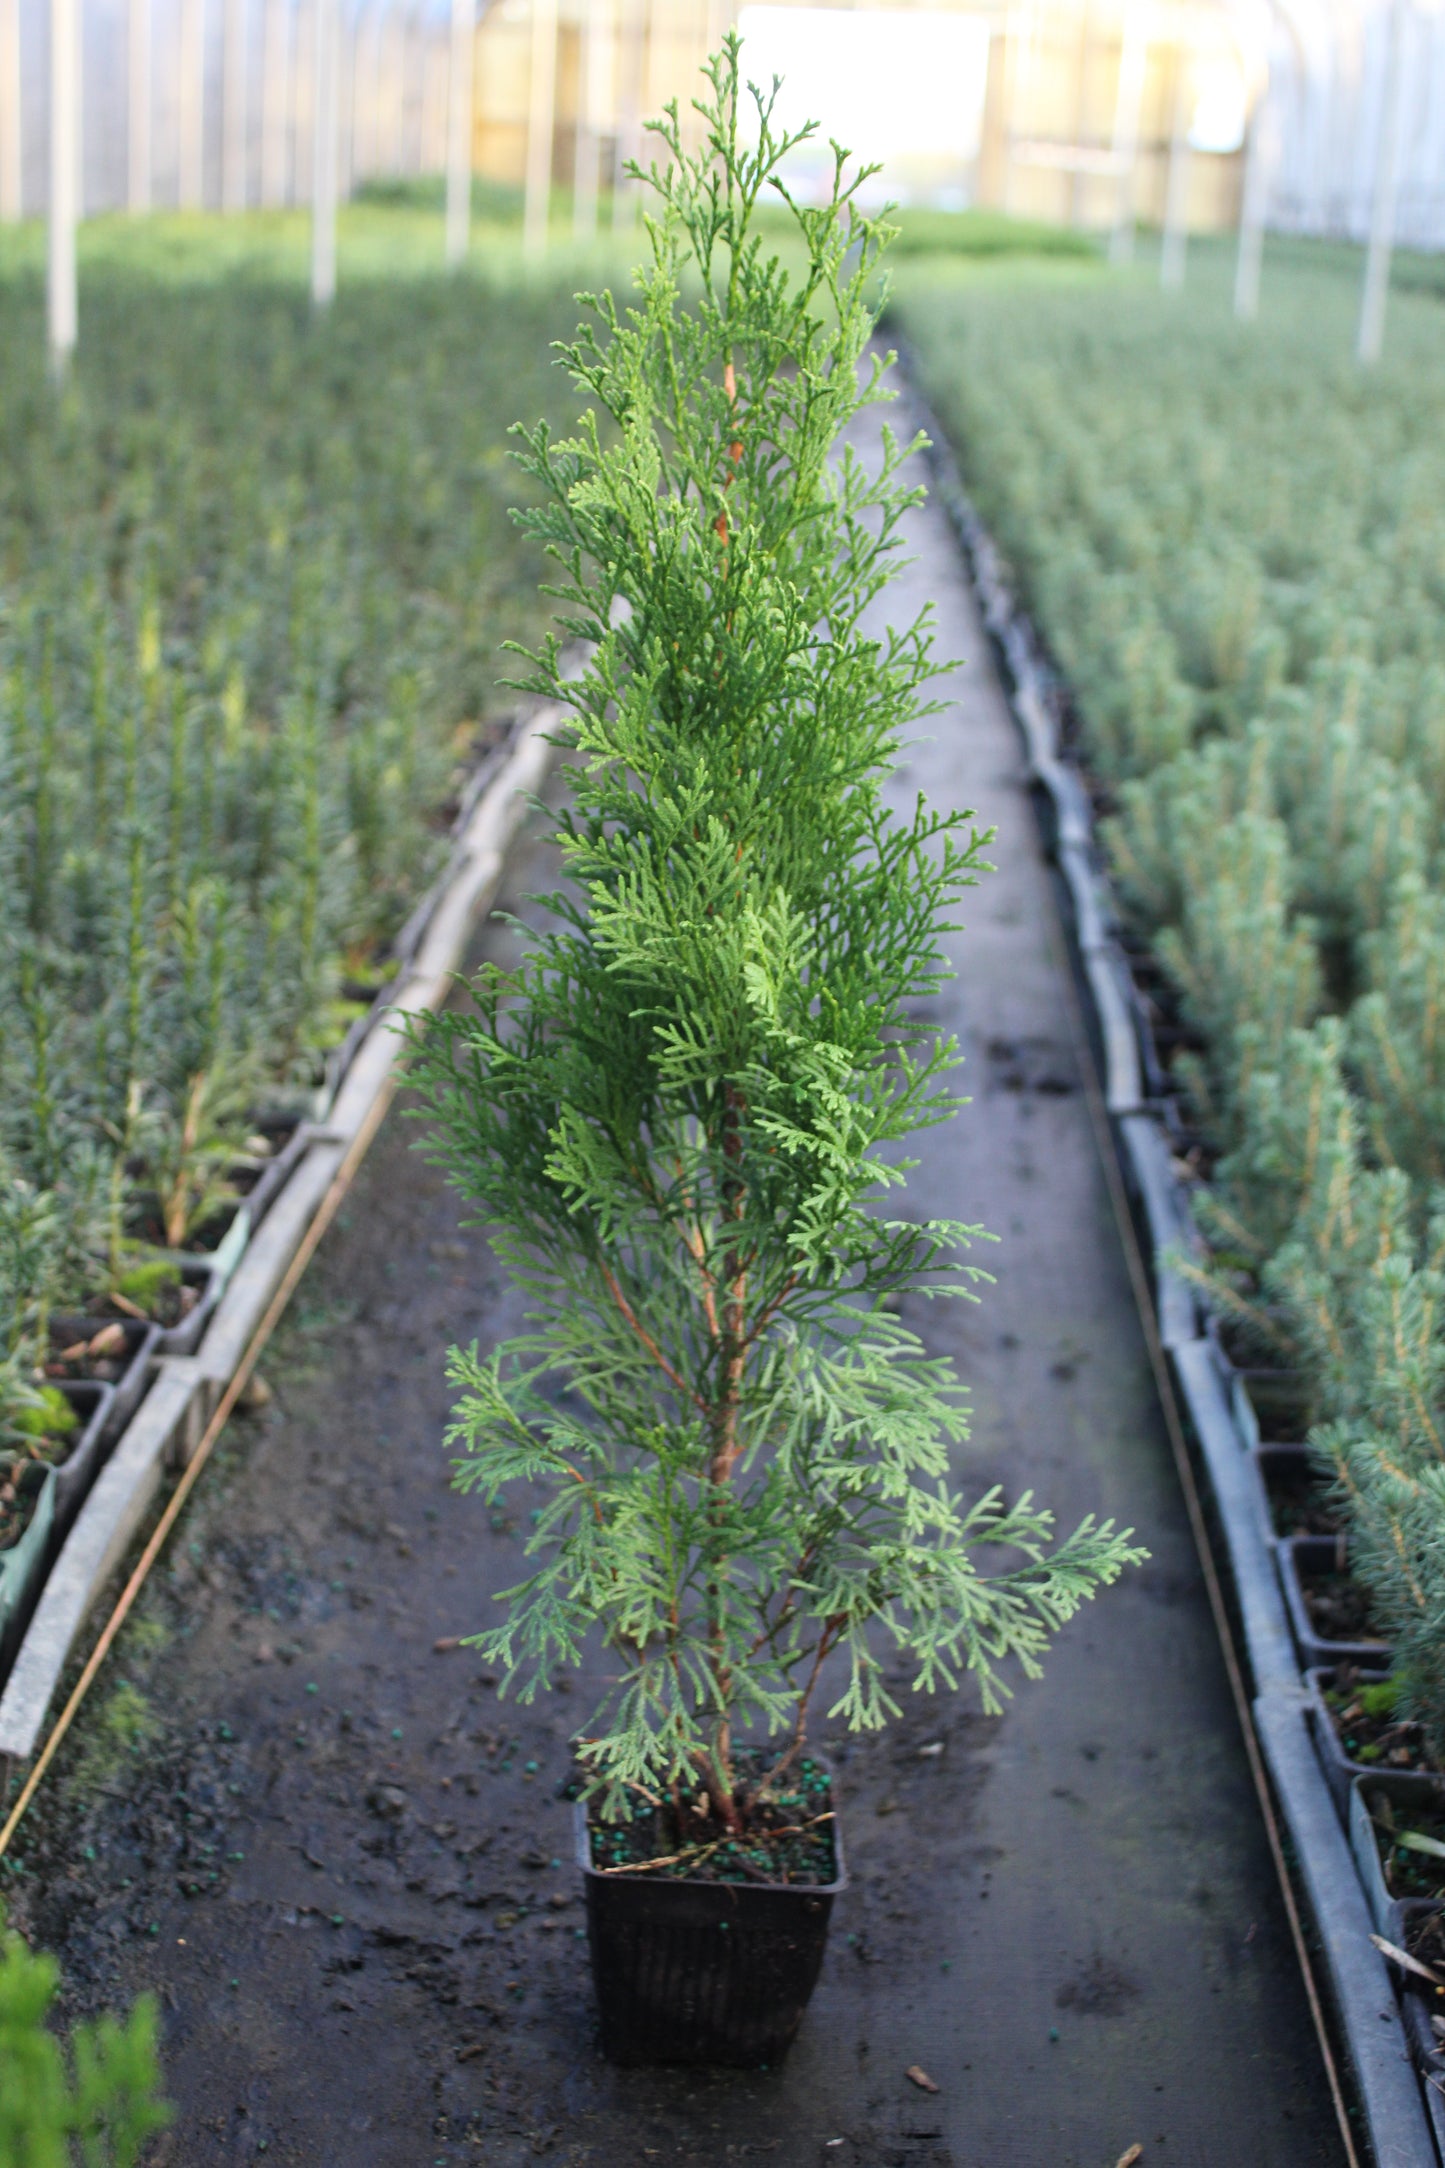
(680, 1116)
(99, 2103)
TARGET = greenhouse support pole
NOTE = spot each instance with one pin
(275, 100)
(191, 104)
(9, 111)
(631, 63)
(1129, 98)
(589, 108)
(541, 115)
(347, 85)
(1253, 203)
(323, 153)
(234, 120)
(138, 107)
(1371, 337)
(375, 158)
(1176, 198)
(1018, 84)
(60, 283)
(401, 41)
(459, 130)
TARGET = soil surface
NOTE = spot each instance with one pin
(300, 1812)
(1340, 1609)
(1366, 1725)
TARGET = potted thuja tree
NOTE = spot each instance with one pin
(681, 1117)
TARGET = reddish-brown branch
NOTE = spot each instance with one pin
(692, 1236)
(647, 1340)
(735, 453)
(770, 1310)
(831, 1627)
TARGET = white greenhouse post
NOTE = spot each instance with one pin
(1176, 198)
(541, 107)
(138, 107)
(323, 154)
(10, 167)
(191, 104)
(376, 158)
(1254, 202)
(302, 118)
(1132, 55)
(275, 101)
(459, 130)
(348, 85)
(401, 42)
(1018, 56)
(631, 60)
(584, 156)
(60, 285)
(1371, 338)
(597, 64)
(235, 118)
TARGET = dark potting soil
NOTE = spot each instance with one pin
(1302, 1509)
(199, 1240)
(1425, 1939)
(1339, 1608)
(22, 1475)
(99, 1357)
(166, 1307)
(1408, 1871)
(787, 1835)
(1367, 1726)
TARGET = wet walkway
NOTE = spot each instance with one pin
(342, 1861)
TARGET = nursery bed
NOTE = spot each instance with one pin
(1277, 1570)
(298, 1809)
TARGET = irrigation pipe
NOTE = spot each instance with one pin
(1184, 1468)
(325, 1213)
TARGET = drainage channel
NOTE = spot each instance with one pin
(301, 1813)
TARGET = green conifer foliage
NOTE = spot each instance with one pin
(678, 1115)
(101, 2108)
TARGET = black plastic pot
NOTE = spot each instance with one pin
(703, 1972)
(267, 1180)
(73, 1478)
(376, 994)
(1293, 1485)
(1306, 1558)
(184, 1338)
(132, 1368)
(1413, 1787)
(1418, 1999)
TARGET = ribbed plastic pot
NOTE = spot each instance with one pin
(1417, 1997)
(278, 1170)
(376, 995)
(73, 1478)
(1383, 1799)
(132, 1368)
(1412, 1787)
(22, 1566)
(1289, 1475)
(703, 1972)
(205, 1275)
(1302, 1558)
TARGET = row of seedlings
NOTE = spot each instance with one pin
(1280, 1160)
(242, 663)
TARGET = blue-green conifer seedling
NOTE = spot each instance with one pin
(678, 1115)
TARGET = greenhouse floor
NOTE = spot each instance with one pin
(1066, 1916)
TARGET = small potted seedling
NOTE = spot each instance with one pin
(681, 1117)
